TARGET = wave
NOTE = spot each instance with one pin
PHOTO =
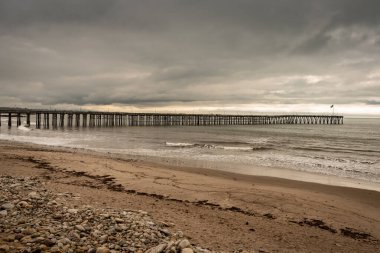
(179, 144)
(213, 146)
(344, 160)
(237, 148)
(225, 143)
(188, 145)
(23, 128)
(50, 141)
(342, 150)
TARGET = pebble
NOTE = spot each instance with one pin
(118, 220)
(80, 227)
(34, 195)
(183, 244)
(187, 250)
(102, 250)
(4, 248)
(73, 236)
(23, 204)
(55, 249)
(103, 238)
(7, 206)
(157, 249)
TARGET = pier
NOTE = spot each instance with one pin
(68, 118)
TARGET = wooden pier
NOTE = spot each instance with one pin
(66, 118)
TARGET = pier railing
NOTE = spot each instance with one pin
(62, 118)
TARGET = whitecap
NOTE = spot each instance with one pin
(23, 128)
(178, 144)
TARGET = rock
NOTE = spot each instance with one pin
(7, 206)
(187, 250)
(42, 247)
(269, 216)
(34, 195)
(37, 236)
(28, 231)
(46, 242)
(158, 249)
(118, 220)
(102, 250)
(53, 203)
(3, 213)
(54, 249)
(80, 228)
(72, 211)
(91, 250)
(103, 238)
(171, 250)
(165, 232)
(10, 238)
(73, 236)
(18, 237)
(57, 216)
(26, 239)
(23, 204)
(4, 248)
(65, 241)
(66, 248)
(183, 244)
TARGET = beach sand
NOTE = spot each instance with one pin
(219, 210)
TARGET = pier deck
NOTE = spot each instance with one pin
(67, 118)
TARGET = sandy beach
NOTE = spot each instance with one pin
(219, 210)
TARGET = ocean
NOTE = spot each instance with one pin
(346, 154)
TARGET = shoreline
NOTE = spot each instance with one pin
(210, 206)
(254, 170)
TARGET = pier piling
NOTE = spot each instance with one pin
(10, 119)
(28, 119)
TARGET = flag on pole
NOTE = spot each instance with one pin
(331, 106)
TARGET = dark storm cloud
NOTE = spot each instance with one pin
(161, 52)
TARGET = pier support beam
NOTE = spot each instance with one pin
(54, 120)
(62, 120)
(10, 119)
(18, 119)
(28, 119)
(84, 120)
(77, 120)
(38, 120)
(69, 120)
(46, 120)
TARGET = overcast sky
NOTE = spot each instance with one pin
(247, 55)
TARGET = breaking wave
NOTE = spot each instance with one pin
(214, 146)
(23, 128)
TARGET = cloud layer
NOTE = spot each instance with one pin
(161, 52)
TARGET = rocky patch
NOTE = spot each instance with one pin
(34, 219)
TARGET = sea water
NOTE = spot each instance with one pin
(350, 151)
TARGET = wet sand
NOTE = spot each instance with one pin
(219, 210)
